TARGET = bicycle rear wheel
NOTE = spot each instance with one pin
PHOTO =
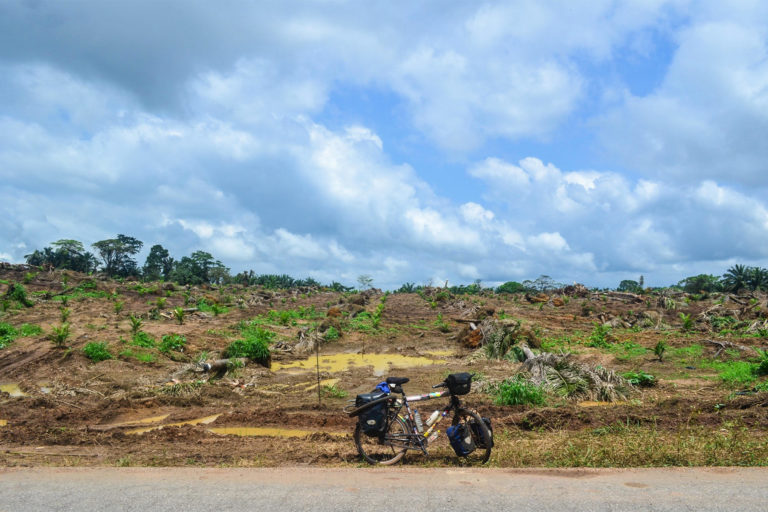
(387, 449)
(481, 436)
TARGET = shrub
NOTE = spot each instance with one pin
(518, 391)
(29, 330)
(170, 342)
(7, 334)
(331, 334)
(333, 392)
(97, 351)
(640, 378)
(119, 306)
(18, 293)
(659, 349)
(142, 339)
(254, 345)
(599, 337)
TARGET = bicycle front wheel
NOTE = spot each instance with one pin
(481, 436)
(386, 449)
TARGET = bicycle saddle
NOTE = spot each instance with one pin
(396, 381)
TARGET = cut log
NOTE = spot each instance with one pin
(220, 365)
(722, 345)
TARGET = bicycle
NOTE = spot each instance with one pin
(383, 437)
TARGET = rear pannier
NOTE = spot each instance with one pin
(459, 383)
(373, 421)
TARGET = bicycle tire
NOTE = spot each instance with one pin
(479, 455)
(388, 449)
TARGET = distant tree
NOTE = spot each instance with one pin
(406, 288)
(641, 282)
(757, 279)
(629, 285)
(736, 278)
(701, 283)
(511, 287)
(65, 253)
(543, 283)
(116, 255)
(199, 268)
(158, 265)
(338, 287)
(365, 280)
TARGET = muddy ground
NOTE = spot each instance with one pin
(147, 407)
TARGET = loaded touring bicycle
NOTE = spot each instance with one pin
(388, 425)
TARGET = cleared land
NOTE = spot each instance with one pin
(58, 407)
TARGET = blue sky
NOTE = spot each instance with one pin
(592, 141)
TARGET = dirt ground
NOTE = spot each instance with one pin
(57, 407)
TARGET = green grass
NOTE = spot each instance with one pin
(734, 374)
(333, 392)
(142, 339)
(97, 351)
(640, 378)
(332, 334)
(254, 345)
(599, 338)
(175, 342)
(518, 391)
(144, 357)
(362, 322)
(627, 350)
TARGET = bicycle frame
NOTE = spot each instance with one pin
(415, 435)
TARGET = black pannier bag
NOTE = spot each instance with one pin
(476, 430)
(374, 420)
(461, 439)
(459, 383)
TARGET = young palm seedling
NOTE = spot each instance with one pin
(659, 350)
(60, 334)
(65, 312)
(135, 324)
(178, 314)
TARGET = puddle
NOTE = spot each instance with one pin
(336, 363)
(144, 421)
(45, 387)
(600, 404)
(3, 423)
(266, 431)
(12, 389)
(198, 421)
(440, 353)
(326, 382)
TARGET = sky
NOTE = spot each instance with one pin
(588, 140)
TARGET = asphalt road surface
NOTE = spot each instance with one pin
(385, 490)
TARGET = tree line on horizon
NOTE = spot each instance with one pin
(115, 257)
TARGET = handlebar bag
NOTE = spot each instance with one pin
(460, 438)
(459, 383)
(373, 422)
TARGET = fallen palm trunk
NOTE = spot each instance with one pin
(560, 374)
(222, 365)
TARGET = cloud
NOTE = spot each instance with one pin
(707, 118)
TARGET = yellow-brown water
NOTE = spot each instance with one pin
(336, 363)
(266, 431)
(12, 389)
(143, 421)
(3, 423)
(326, 382)
(599, 404)
(199, 421)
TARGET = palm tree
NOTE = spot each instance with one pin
(736, 278)
(757, 278)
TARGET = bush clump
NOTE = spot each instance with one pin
(171, 342)
(7, 334)
(97, 351)
(142, 339)
(519, 391)
(254, 345)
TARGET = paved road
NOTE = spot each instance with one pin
(320, 489)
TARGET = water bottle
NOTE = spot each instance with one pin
(417, 419)
(432, 418)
